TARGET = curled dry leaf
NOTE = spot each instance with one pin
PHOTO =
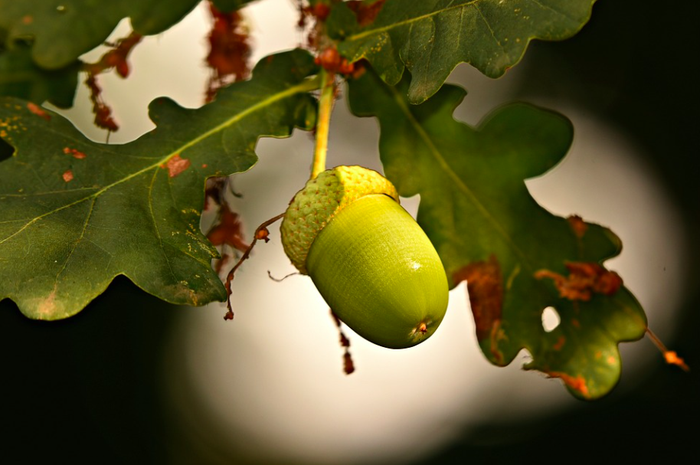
(348, 363)
(116, 58)
(229, 51)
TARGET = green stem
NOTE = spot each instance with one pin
(325, 107)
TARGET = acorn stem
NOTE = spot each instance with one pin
(325, 107)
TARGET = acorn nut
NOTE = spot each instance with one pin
(369, 259)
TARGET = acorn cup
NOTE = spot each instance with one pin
(369, 259)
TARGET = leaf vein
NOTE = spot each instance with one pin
(491, 31)
(547, 7)
(304, 86)
(454, 177)
(369, 32)
(155, 224)
(77, 242)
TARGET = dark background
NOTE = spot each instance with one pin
(84, 390)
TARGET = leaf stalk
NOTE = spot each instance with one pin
(325, 108)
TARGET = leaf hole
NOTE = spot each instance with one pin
(550, 319)
(5, 150)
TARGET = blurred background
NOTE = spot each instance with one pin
(134, 380)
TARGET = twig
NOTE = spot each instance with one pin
(261, 233)
(279, 280)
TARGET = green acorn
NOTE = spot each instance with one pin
(369, 259)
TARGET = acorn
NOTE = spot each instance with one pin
(367, 256)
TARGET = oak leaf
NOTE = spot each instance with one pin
(430, 37)
(74, 214)
(489, 231)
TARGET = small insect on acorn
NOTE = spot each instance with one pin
(367, 256)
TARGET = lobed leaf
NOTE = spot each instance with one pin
(62, 31)
(74, 214)
(20, 77)
(431, 37)
(516, 257)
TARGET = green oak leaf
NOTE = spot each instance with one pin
(74, 214)
(62, 31)
(230, 5)
(21, 77)
(431, 37)
(489, 231)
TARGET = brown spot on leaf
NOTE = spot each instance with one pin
(37, 110)
(485, 287)
(67, 176)
(48, 305)
(176, 165)
(560, 343)
(577, 225)
(75, 153)
(27, 19)
(584, 279)
(577, 383)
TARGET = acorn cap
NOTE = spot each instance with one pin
(320, 200)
